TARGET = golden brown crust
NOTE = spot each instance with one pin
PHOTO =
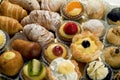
(50, 76)
(113, 35)
(10, 25)
(111, 57)
(11, 67)
(85, 57)
(12, 10)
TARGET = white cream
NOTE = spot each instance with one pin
(58, 76)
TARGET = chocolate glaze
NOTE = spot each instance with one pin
(114, 14)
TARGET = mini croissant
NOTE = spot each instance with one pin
(12, 10)
(39, 34)
(49, 20)
(51, 5)
(10, 25)
(27, 4)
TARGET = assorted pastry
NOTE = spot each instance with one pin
(59, 40)
(55, 50)
(86, 47)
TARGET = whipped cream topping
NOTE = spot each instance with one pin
(59, 76)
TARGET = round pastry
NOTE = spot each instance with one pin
(33, 70)
(95, 26)
(95, 9)
(10, 63)
(86, 47)
(116, 76)
(97, 70)
(112, 56)
(113, 17)
(55, 50)
(67, 30)
(61, 69)
(113, 35)
(3, 40)
(72, 9)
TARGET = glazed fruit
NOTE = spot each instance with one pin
(55, 50)
(29, 50)
(34, 70)
(67, 30)
(70, 28)
(10, 63)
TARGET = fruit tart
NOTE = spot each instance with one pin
(33, 70)
(67, 30)
(86, 47)
(72, 9)
(55, 50)
(61, 69)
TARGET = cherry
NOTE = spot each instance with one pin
(70, 28)
(116, 51)
(86, 44)
(57, 51)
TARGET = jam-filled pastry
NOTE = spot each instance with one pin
(67, 30)
(51, 5)
(62, 69)
(39, 34)
(34, 70)
(10, 25)
(95, 9)
(113, 17)
(12, 10)
(55, 50)
(49, 20)
(11, 62)
(112, 56)
(27, 4)
(86, 47)
(113, 35)
(72, 9)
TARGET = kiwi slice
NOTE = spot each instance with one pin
(34, 67)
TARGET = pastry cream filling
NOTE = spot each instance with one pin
(75, 12)
(63, 69)
(89, 50)
(97, 70)
(2, 39)
(62, 33)
(50, 52)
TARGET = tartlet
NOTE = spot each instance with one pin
(55, 50)
(111, 56)
(97, 70)
(34, 70)
(72, 9)
(86, 47)
(61, 69)
(113, 35)
(113, 17)
(67, 30)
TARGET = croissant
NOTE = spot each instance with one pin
(49, 20)
(27, 4)
(10, 25)
(51, 5)
(37, 33)
(12, 10)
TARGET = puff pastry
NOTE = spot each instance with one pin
(86, 47)
(10, 25)
(39, 34)
(47, 19)
(51, 5)
(12, 10)
(27, 4)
